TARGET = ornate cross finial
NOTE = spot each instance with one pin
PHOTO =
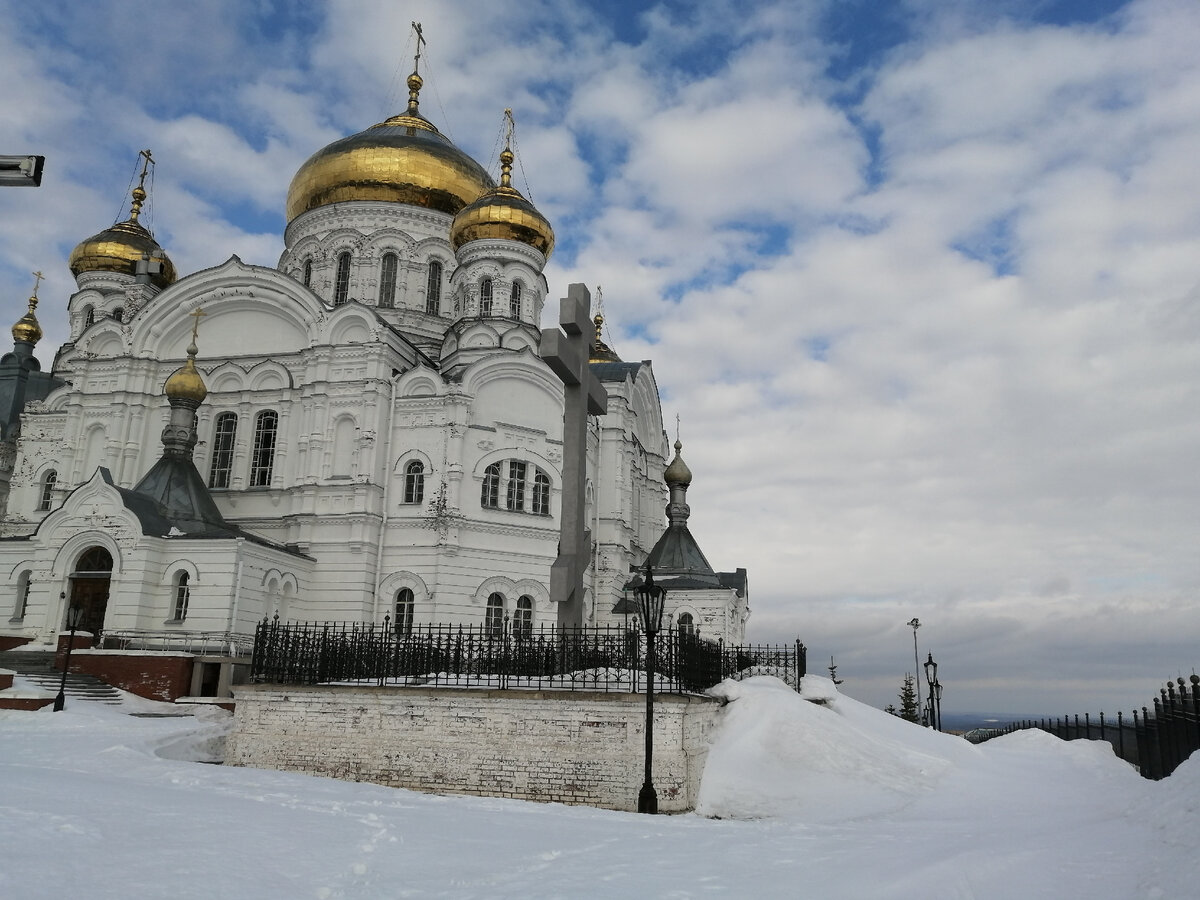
(416, 26)
(676, 427)
(506, 155)
(36, 284)
(139, 192)
(192, 349)
(511, 125)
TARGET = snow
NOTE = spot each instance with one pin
(813, 796)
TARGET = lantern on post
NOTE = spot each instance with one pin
(651, 599)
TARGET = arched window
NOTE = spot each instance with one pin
(485, 297)
(541, 494)
(308, 272)
(94, 561)
(89, 316)
(181, 592)
(404, 612)
(516, 485)
(46, 495)
(414, 482)
(24, 585)
(514, 300)
(493, 623)
(686, 624)
(119, 313)
(262, 463)
(490, 496)
(224, 435)
(341, 284)
(387, 280)
(523, 618)
(433, 288)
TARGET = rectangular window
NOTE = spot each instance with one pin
(433, 289)
(387, 281)
(224, 434)
(263, 462)
(516, 485)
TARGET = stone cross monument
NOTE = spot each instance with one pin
(566, 351)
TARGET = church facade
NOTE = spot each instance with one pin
(364, 430)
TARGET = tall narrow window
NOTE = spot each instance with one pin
(414, 482)
(24, 584)
(46, 495)
(514, 300)
(224, 435)
(89, 317)
(404, 612)
(687, 625)
(308, 273)
(341, 284)
(433, 289)
(523, 618)
(387, 280)
(541, 494)
(516, 485)
(490, 496)
(182, 593)
(485, 297)
(262, 463)
(493, 623)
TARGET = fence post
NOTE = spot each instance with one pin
(1087, 724)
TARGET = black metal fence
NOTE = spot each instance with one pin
(1156, 742)
(605, 658)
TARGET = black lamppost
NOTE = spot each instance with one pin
(74, 615)
(935, 693)
(651, 600)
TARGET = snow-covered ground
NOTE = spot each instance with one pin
(827, 801)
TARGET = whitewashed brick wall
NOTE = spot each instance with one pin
(580, 748)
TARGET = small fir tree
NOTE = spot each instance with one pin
(891, 709)
(908, 700)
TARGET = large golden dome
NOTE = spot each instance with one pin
(28, 329)
(120, 248)
(503, 213)
(404, 159)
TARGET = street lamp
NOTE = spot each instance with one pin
(74, 615)
(651, 599)
(935, 717)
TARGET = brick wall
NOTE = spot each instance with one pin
(156, 676)
(584, 748)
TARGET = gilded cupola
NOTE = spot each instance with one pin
(503, 213)
(27, 329)
(404, 159)
(185, 383)
(123, 246)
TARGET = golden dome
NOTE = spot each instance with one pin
(503, 213)
(122, 247)
(678, 472)
(186, 384)
(27, 328)
(404, 159)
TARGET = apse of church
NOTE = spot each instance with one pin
(377, 423)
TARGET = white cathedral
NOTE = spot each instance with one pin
(365, 430)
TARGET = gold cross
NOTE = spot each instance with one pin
(420, 40)
(39, 276)
(145, 166)
(196, 323)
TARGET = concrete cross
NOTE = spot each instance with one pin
(567, 351)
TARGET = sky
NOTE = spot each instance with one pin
(920, 279)
(838, 801)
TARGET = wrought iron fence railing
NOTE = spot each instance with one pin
(604, 658)
(1156, 742)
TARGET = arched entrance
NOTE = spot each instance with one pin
(89, 588)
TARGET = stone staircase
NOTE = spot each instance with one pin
(38, 666)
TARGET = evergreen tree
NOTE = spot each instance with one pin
(908, 700)
(891, 709)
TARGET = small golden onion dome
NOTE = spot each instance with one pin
(185, 382)
(27, 328)
(503, 213)
(404, 159)
(601, 352)
(678, 472)
(122, 247)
